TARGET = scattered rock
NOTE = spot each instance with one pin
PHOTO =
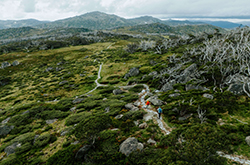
(51, 121)
(166, 87)
(86, 57)
(196, 87)
(151, 141)
(119, 116)
(75, 143)
(117, 91)
(136, 123)
(209, 96)
(154, 73)
(5, 65)
(77, 100)
(5, 129)
(49, 69)
(107, 109)
(115, 129)
(82, 152)
(63, 82)
(248, 140)
(150, 94)
(174, 95)
(137, 103)
(66, 131)
(72, 109)
(11, 149)
(129, 145)
(82, 75)
(6, 120)
(15, 63)
(220, 122)
(132, 72)
(131, 107)
(155, 101)
(143, 126)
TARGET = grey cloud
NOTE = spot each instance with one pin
(58, 9)
(28, 6)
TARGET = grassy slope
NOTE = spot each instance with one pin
(30, 84)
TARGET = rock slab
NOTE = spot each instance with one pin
(129, 145)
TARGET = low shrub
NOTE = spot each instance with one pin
(65, 156)
(46, 115)
(137, 88)
(43, 140)
(77, 118)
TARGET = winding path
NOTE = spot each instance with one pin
(154, 115)
(96, 81)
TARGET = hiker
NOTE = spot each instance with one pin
(147, 104)
(159, 112)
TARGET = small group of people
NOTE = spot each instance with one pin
(159, 110)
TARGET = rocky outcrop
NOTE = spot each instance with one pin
(5, 65)
(174, 95)
(151, 141)
(209, 96)
(5, 129)
(51, 121)
(15, 63)
(77, 100)
(117, 91)
(49, 69)
(12, 148)
(166, 87)
(154, 73)
(155, 101)
(143, 126)
(119, 116)
(5, 121)
(63, 82)
(129, 145)
(195, 87)
(66, 131)
(131, 107)
(248, 140)
(132, 72)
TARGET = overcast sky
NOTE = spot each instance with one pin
(60, 9)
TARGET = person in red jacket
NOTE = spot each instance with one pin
(147, 104)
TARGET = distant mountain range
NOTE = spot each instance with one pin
(99, 21)
(21, 23)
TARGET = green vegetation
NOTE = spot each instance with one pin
(50, 116)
